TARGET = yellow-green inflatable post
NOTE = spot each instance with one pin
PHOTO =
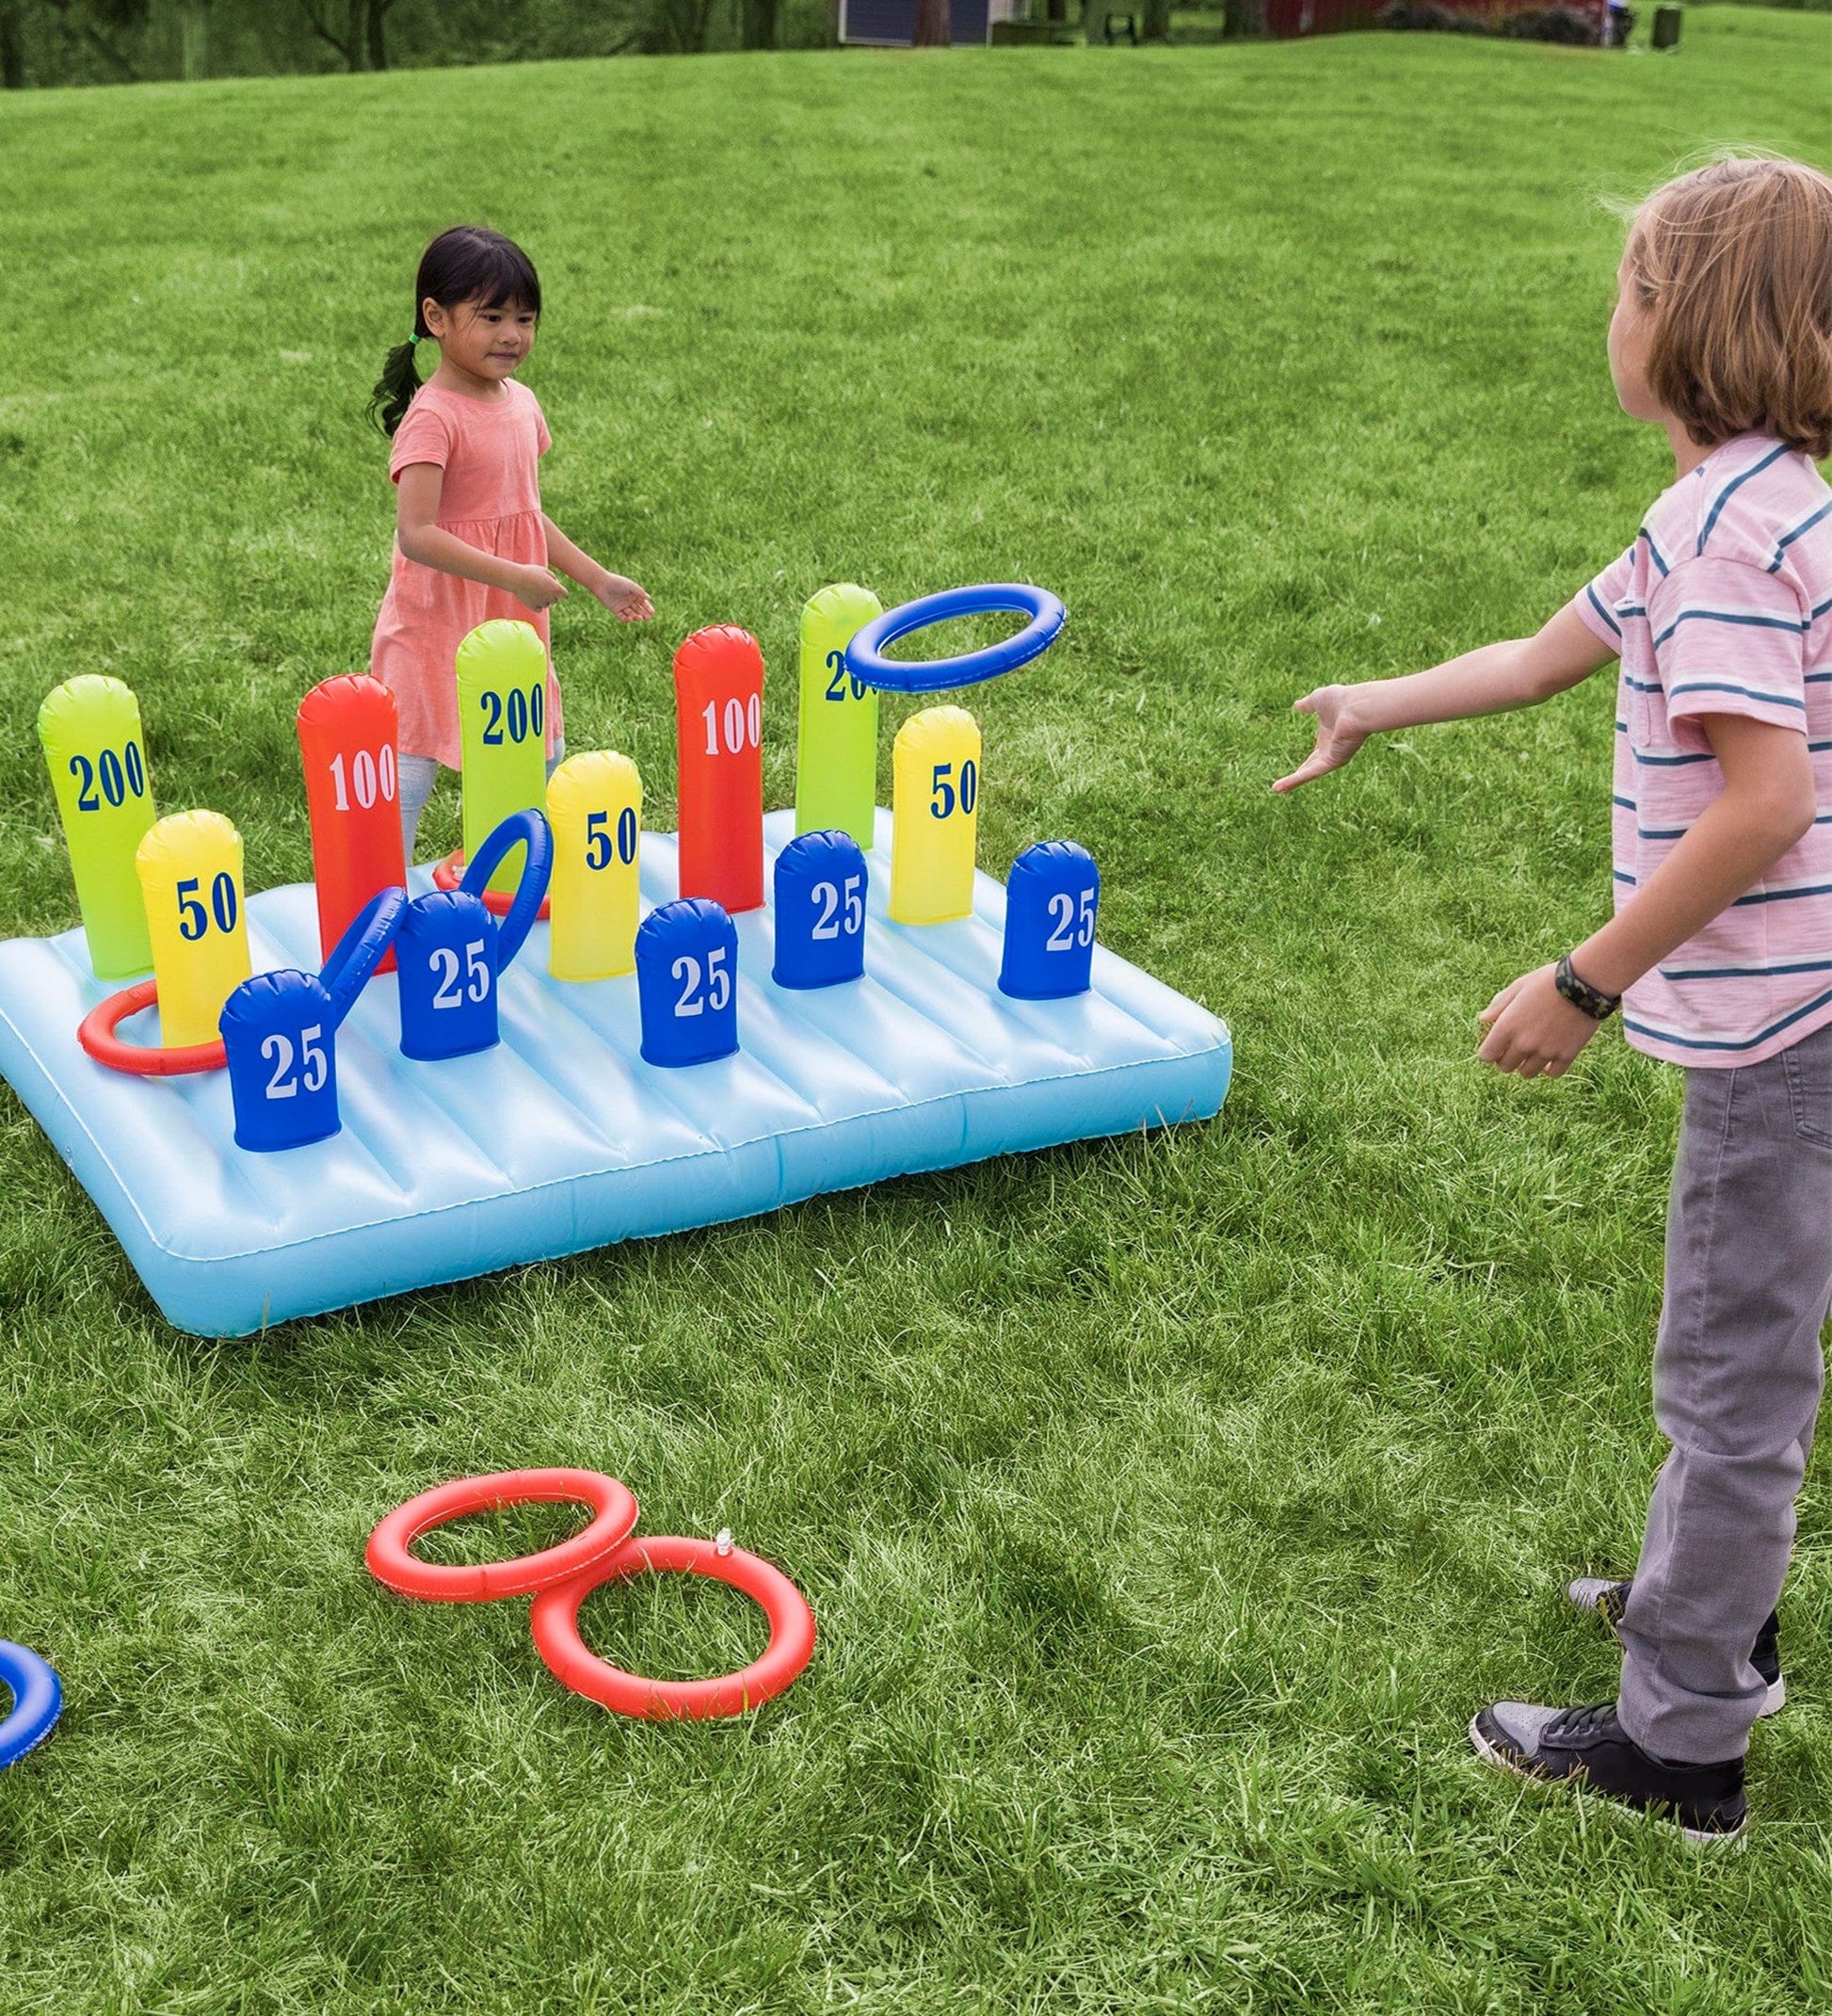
(502, 689)
(190, 870)
(935, 816)
(90, 729)
(594, 805)
(836, 750)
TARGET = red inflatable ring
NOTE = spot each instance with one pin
(96, 1033)
(568, 1658)
(390, 1561)
(449, 873)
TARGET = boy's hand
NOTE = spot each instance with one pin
(1338, 735)
(624, 598)
(1533, 1027)
(536, 588)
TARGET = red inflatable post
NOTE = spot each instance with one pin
(347, 738)
(718, 700)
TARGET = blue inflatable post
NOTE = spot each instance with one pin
(451, 952)
(1051, 901)
(687, 982)
(280, 1034)
(38, 1699)
(820, 911)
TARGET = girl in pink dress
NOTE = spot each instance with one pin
(471, 539)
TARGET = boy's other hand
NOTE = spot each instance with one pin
(624, 598)
(1338, 735)
(536, 588)
(1533, 1028)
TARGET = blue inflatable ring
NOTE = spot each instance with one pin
(362, 948)
(526, 829)
(38, 1701)
(866, 662)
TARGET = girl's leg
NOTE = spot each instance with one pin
(418, 775)
(415, 776)
(1737, 1373)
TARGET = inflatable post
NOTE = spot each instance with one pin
(718, 700)
(280, 1034)
(190, 871)
(836, 745)
(502, 688)
(90, 729)
(594, 805)
(452, 953)
(347, 741)
(1051, 903)
(935, 822)
(687, 983)
(820, 911)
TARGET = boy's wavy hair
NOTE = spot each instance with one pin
(1733, 265)
(468, 262)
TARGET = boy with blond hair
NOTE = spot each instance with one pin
(1719, 953)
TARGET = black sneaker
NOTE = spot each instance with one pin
(1608, 1599)
(1591, 1747)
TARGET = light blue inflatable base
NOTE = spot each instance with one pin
(561, 1138)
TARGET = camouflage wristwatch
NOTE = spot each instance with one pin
(1581, 994)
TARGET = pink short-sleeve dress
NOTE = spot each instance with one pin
(489, 450)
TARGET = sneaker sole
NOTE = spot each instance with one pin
(1698, 1837)
(1773, 1701)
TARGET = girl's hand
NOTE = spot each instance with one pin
(1533, 1027)
(1338, 735)
(536, 588)
(624, 598)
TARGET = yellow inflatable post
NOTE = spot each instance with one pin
(90, 729)
(935, 816)
(836, 750)
(190, 870)
(594, 805)
(502, 689)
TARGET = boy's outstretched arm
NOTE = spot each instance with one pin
(1519, 674)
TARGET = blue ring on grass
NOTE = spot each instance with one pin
(37, 1702)
(865, 658)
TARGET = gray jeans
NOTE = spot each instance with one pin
(1738, 1370)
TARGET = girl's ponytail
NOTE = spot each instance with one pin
(468, 262)
(396, 387)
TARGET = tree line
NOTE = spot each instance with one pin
(101, 41)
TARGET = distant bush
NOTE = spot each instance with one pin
(1530, 25)
(1422, 14)
(1558, 24)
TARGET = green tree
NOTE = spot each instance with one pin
(100, 28)
(194, 38)
(357, 29)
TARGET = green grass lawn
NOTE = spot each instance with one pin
(1167, 1505)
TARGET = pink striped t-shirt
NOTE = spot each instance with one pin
(1724, 605)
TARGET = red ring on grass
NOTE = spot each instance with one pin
(566, 1656)
(449, 873)
(96, 1033)
(390, 1561)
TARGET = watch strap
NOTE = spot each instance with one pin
(1599, 1006)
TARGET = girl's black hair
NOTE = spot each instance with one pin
(465, 263)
